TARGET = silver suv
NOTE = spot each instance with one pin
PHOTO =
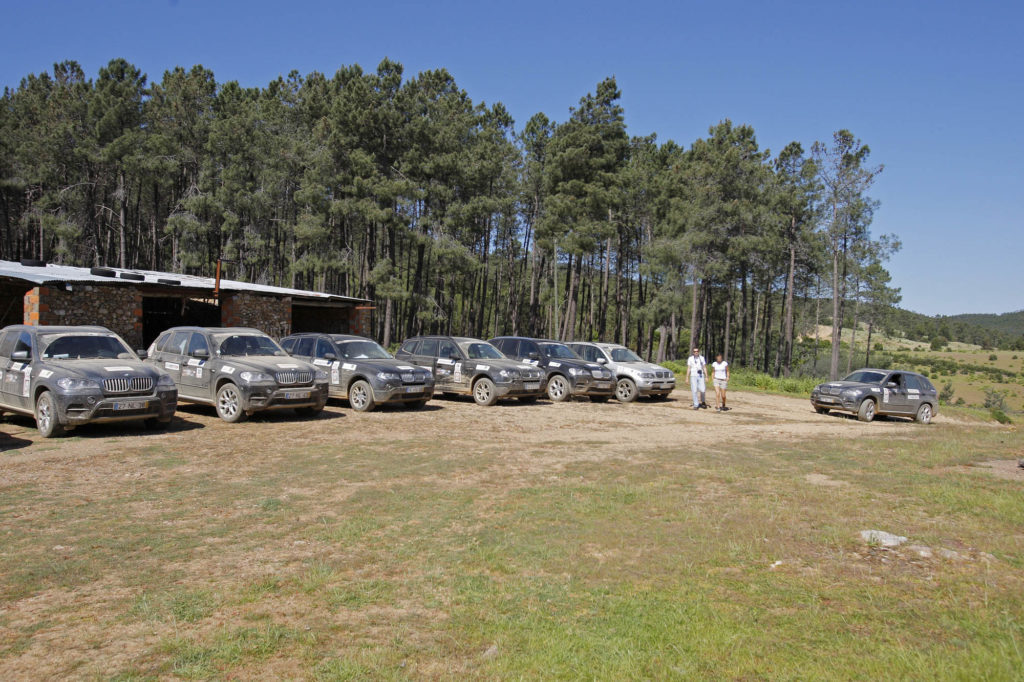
(633, 376)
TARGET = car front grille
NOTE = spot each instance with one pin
(128, 385)
(410, 378)
(663, 374)
(301, 377)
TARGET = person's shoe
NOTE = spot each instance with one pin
(718, 409)
(696, 407)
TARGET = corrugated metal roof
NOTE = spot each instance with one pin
(50, 274)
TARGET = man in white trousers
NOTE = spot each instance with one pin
(696, 370)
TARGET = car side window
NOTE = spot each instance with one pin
(7, 342)
(511, 347)
(912, 382)
(179, 342)
(528, 347)
(288, 344)
(896, 379)
(304, 346)
(198, 342)
(428, 347)
(410, 346)
(589, 353)
(163, 342)
(323, 348)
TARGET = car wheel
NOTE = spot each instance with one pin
(229, 404)
(309, 411)
(483, 392)
(821, 410)
(924, 414)
(625, 390)
(866, 412)
(360, 396)
(156, 424)
(46, 416)
(558, 388)
(599, 398)
(415, 404)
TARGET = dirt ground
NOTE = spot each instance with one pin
(105, 462)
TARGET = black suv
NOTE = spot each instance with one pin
(474, 367)
(362, 372)
(238, 370)
(868, 393)
(68, 376)
(567, 374)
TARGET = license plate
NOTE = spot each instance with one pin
(413, 389)
(131, 405)
(604, 384)
(533, 386)
(295, 395)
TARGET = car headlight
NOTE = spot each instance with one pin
(69, 384)
(254, 377)
(320, 375)
(647, 375)
(578, 372)
(165, 380)
(388, 376)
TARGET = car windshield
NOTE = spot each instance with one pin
(363, 350)
(85, 347)
(247, 344)
(558, 350)
(624, 355)
(479, 350)
(865, 377)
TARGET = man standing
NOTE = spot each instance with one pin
(721, 379)
(695, 370)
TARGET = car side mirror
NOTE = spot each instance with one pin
(330, 356)
(453, 356)
(19, 355)
(200, 353)
(534, 356)
(602, 361)
(142, 354)
(892, 384)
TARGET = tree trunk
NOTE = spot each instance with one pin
(787, 352)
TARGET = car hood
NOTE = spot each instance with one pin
(846, 384)
(381, 365)
(265, 363)
(643, 367)
(100, 370)
(571, 362)
(502, 363)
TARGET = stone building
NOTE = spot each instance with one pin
(139, 304)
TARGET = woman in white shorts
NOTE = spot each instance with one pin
(720, 373)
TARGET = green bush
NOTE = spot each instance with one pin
(993, 357)
(946, 394)
(995, 400)
(1001, 417)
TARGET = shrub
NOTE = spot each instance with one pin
(960, 401)
(939, 342)
(1001, 417)
(995, 400)
(879, 347)
(946, 394)
(993, 357)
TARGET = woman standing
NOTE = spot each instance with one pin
(721, 378)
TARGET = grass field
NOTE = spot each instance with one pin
(546, 541)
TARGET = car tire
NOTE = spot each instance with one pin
(309, 411)
(47, 420)
(156, 424)
(484, 393)
(599, 398)
(866, 413)
(558, 389)
(415, 404)
(625, 390)
(360, 396)
(821, 410)
(229, 404)
(924, 414)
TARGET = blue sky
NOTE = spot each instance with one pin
(935, 88)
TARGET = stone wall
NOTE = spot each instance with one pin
(118, 308)
(359, 321)
(266, 313)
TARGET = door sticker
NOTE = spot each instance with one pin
(445, 361)
(483, 368)
(335, 372)
(348, 367)
(555, 364)
(199, 372)
(321, 362)
(227, 369)
(45, 374)
(26, 382)
(885, 395)
(172, 365)
(458, 372)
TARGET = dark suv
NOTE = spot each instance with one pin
(463, 365)
(361, 371)
(868, 393)
(238, 370)
(69, 376)
(567, 374)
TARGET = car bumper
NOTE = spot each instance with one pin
(74, 410)
(588, 387)
(258, 397)
(655, 387)
(403, 394)
(834, 402)
(520, 389)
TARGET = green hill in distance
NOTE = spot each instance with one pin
(1007, 323)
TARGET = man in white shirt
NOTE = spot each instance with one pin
(720, 374)
(696, 368)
